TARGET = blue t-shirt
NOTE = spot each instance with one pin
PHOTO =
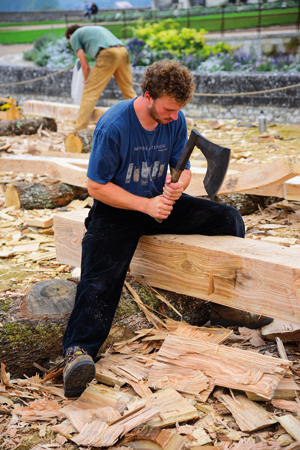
(128, 155)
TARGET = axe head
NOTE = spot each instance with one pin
(217, 158)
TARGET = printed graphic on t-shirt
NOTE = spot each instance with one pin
(144, 174)
(161, 170)
(136, 175)
(129, 173)
(155, 169)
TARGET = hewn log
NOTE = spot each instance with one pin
(290, 189)
(41, 196)
(250, 275)
(67, 170)
(79, 141)
(26, 126)
(254, 276)
(62, 111)
(255, 177)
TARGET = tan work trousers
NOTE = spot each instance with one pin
(111, 62)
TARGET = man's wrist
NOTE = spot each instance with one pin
(143, 207)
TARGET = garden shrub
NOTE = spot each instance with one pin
(153, 42)
(166, 39)
(53, 53)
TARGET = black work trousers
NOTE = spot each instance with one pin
(108, 246)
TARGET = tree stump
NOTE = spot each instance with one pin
(33, 326)
(26, 126)
(40, 196)
(79, 141)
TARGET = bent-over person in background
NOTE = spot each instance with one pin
(112, 59)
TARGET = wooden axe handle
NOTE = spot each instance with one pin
(183, 160)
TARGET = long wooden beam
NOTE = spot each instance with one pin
(70, 171)
(256, 180)
(251, 275)
(261, 177)
(62, 111)
(290, 190)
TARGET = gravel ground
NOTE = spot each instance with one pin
(12, 55)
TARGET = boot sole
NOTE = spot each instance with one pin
(78, 376)
(235, 323)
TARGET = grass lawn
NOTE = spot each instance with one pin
(22, 24)
(209, 23)
(240, 22)
(28, 36)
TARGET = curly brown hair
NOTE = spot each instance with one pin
(70, 30)
(168, 78)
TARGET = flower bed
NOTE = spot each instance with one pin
(167, 39)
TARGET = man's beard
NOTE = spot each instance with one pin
(155, 116)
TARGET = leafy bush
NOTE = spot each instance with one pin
(51, 53)
(147, 31)
(167, 39)
(240, 62)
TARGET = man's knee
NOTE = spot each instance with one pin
(236, 223)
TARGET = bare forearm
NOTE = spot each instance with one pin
(115, 196)
(84, 64)
(86, 72)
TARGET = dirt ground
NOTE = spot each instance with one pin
(19, 269)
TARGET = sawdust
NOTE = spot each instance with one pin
(279, 222)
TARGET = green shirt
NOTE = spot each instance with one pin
(91, 39)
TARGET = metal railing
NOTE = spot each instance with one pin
(221, 19)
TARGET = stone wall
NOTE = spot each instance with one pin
(281, 106)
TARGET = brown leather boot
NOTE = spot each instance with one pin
(79, 370)
(231, 317)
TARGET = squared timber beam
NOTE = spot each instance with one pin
(258, 179)
(60, 111)
(255, 276)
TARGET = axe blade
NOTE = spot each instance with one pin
(217, 158)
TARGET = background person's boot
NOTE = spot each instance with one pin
(79, 370)
(231, 317)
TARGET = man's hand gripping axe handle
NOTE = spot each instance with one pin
(217, 158)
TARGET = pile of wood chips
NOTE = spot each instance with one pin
(172, 386)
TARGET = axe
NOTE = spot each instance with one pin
(217, 158)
